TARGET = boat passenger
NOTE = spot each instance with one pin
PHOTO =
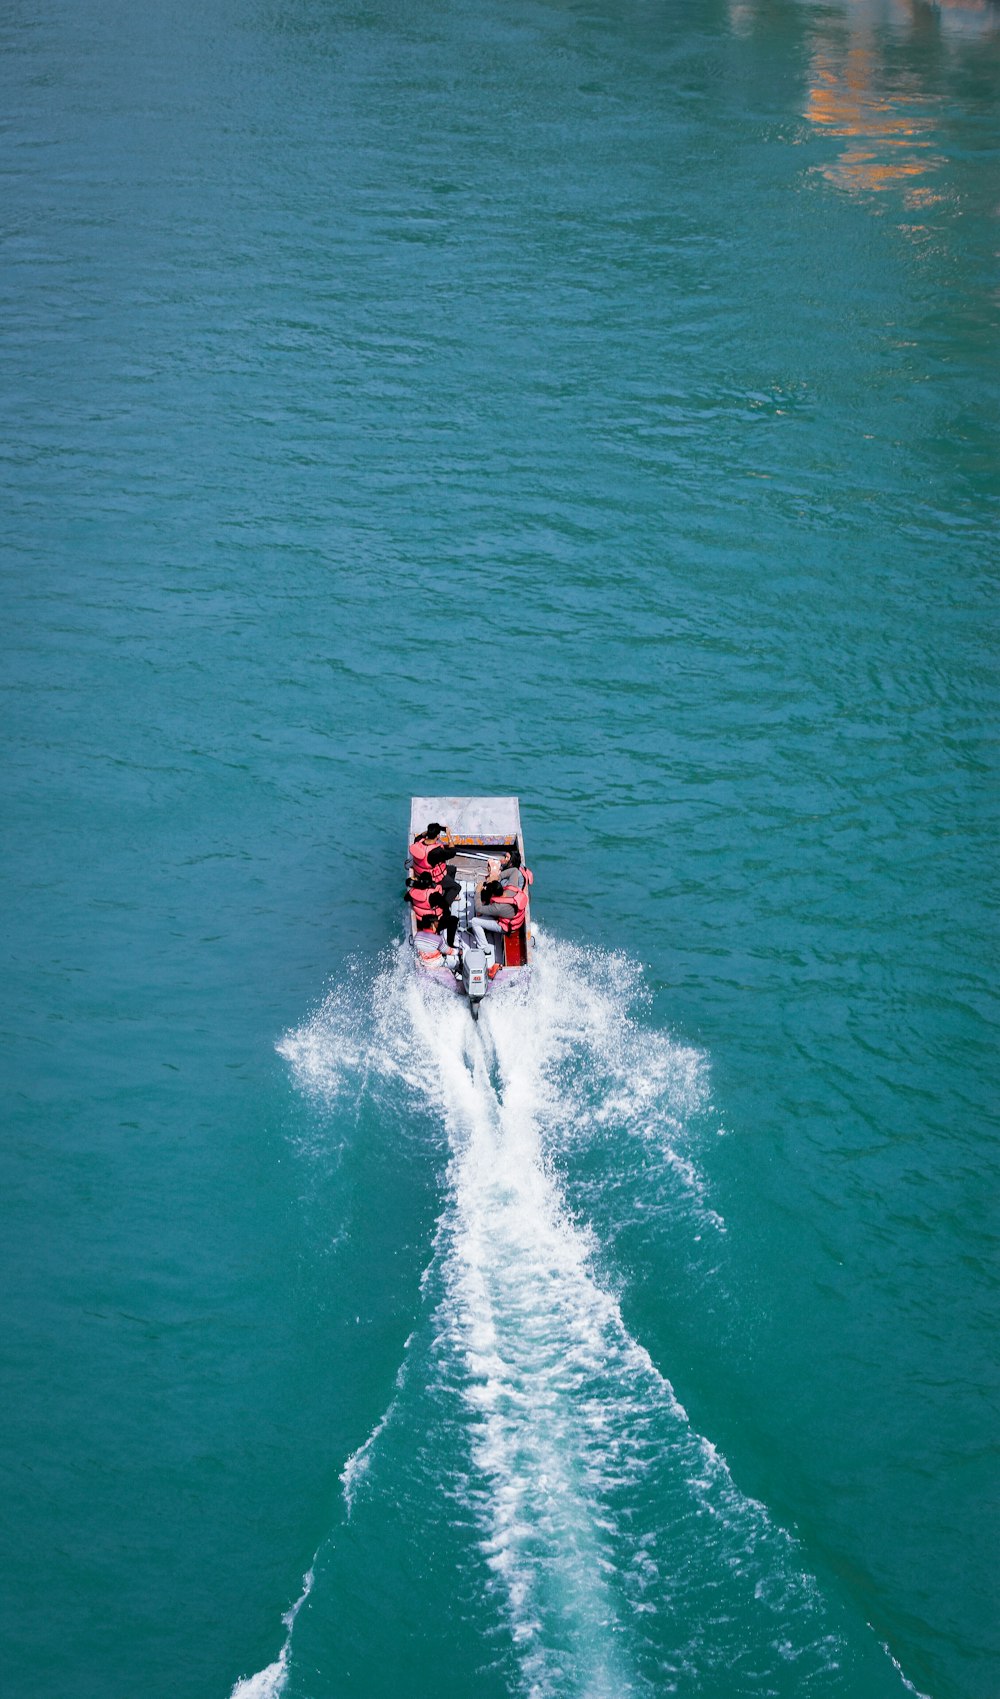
(437, 863)
(418, 851)
(501, 908)
(430, 948)
(511, 873)
(425, 897)
(422, 894)
(493, 905)
(442, 874)
(418, 885)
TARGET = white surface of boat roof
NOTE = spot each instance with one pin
(467, 816)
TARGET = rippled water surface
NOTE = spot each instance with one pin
(596, 402)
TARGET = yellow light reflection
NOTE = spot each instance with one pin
(889, 130)
(857, 89)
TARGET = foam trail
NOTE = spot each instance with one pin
(269, 1683)
(527, 1442)
(897, 1666)
(359, 1462)
(623, 1555)
(522, 1325)
(567, 1411)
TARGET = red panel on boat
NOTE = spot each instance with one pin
(515, 953)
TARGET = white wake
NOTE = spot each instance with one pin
(601, 1511)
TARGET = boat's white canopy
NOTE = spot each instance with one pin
(492, 818)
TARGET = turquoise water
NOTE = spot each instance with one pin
(592, 402)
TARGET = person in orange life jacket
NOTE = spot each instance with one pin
(508, 871)
(443, 875)
(511, 875)
(420, 848)
(506, 868)
(492, 905)
(419, 891)
(437, 863)
(426, 898)
(430, 948)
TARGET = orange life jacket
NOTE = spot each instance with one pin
(520, 901)
(419, 851)
(420, 900)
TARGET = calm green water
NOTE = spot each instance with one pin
(596, 402)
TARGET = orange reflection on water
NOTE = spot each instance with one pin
(889, 130)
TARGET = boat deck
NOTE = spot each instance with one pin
(480, 828)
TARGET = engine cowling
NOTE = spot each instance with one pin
(474, 980)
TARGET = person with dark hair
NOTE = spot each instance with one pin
(428, 946)
(425, 898)
(492, 905)
(511, 876)
(443, 875)
(417, 853)
(438, 862)
(423, 895)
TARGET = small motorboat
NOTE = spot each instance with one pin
(478, 829)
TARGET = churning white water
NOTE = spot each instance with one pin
(567, 1420)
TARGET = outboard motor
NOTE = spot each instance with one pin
(474, 979)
